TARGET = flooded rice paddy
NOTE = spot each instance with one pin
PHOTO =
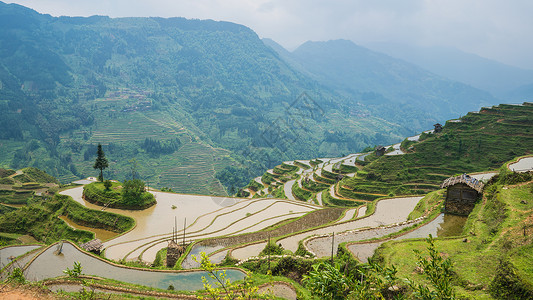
(444, 225)
(523, 165)
(7, 253)
(99, 233)
(206, 217)
(50, 265)
(388, 211)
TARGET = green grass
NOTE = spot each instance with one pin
(314, 186)
(330, 201)
(6, 172)
(9, 236)
(195, 174)
(323, 179)
(358, 195)
(15, 197)
(255, 186)
(329, 175)
(285, 169)
(95, 218)
(135, 126)
(315, 162)
(267, 178)
(302, 165)
(39, 176)
(426, 203)
(345, 169)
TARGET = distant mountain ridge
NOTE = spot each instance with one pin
(345, 65)
(500, 79)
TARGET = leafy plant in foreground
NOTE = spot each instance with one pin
(438, 271)
(366, 281)
(76, 270)
(17, 276)
(224, 288)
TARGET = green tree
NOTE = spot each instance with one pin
(132, 192)
(107, 185)
(101, 162)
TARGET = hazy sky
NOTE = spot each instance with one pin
(498, 29)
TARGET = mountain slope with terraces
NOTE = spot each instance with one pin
(479, 141)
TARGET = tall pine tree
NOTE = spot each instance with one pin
(101, 162)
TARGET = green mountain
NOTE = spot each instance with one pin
(372, 78)
(195, 105)
(190, 100)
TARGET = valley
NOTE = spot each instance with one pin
(186, 158)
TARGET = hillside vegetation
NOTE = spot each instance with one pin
(193, 101)
(129, 195)
(476, 142)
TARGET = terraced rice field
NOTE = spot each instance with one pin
(196, 174)
(206, 217)
(134, 126)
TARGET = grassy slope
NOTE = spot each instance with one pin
(480, 142)
(190, 169)
(494, 233)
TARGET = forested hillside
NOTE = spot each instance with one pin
(198, 106)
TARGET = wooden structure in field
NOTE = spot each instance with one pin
(380, 150)
(438, 128)
(174, 251)
(93, 246)
(462, 193)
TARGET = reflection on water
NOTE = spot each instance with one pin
(452, 225)
(99, 233)
(49, 265)
(444, 225)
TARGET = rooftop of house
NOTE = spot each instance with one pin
(465, 179)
